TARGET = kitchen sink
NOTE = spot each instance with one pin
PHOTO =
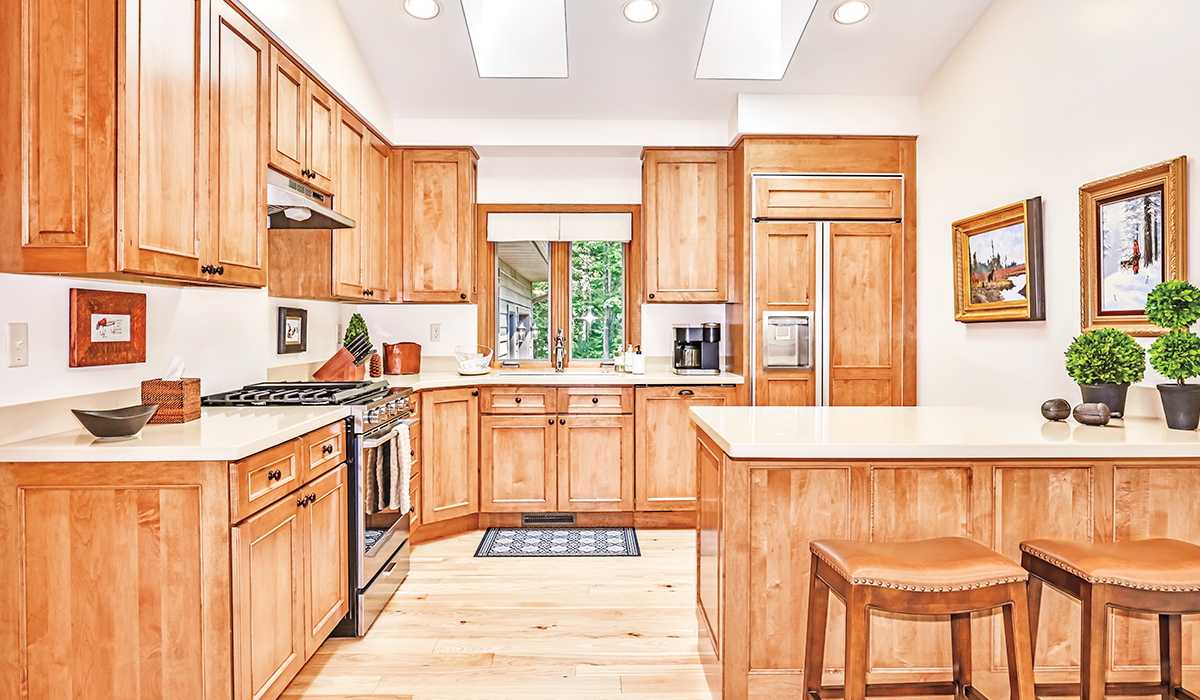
(552, 373)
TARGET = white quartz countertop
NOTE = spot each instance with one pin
(932, 432)
(439, 378)
(221, 435)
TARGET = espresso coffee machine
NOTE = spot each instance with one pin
(698, 349)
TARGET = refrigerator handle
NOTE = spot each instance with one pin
(823, 357)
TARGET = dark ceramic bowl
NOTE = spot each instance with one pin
(117, 423)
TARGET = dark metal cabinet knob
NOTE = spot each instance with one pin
(327, 449)
(462, 296)
(220, 269)
(474, 393)
(551, 421)
(562, 421)
(651, 296)
(518, 399)
(595, 400)
(311, 498)
(412, 453)
(274, 475)
(302, 502)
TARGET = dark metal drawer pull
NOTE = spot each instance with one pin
(686, 392)
(274, 475)
(327, 449)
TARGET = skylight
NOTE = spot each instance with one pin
(752, 39)
(518, 38)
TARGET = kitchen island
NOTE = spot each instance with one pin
(772, 479)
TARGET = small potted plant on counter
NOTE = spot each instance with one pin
(1175, 304)
(1103, 362)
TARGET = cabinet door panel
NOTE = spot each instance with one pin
(288, 135)
(240, 73)
(665, 473)
(864, 314)
(268, 609)
(518, 469)
(348, 279)
(686, 200)
(437, 230)
(829, 198)
(375, 201)
(326, 569)
(786, 264)
(321, 135)
(450, 454)
(166, 178)
(785, 390)
(595, 463)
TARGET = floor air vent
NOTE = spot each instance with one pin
(547, 519)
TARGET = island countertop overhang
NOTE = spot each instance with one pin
(927, 432)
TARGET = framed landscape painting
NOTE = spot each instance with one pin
(998, 265)
(1133, 236)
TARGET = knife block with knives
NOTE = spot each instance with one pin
(348, 363)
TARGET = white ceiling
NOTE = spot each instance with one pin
(621, 70)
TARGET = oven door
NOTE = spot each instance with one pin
(379, 535)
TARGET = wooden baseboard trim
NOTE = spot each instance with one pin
(428, 532)
(665, 520)
(650, 520)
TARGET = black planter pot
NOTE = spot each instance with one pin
(1111, 395)
(1181, 404)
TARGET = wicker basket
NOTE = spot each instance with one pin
(178, 401)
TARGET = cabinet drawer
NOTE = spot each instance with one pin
(414, 498)
(414, 449)
(326, 448)
(517, 399)
(263, 478)
(595, 399)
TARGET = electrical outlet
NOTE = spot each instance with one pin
(18, 345)
(435, 332)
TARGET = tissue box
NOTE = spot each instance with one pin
(178, 401)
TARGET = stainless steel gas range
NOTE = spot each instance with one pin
(378, 546)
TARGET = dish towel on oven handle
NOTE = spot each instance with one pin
(401, 469)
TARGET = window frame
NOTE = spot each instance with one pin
(560, 277)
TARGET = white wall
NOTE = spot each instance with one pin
(560, 180)
(226, 336)
(317, 32)
(826, 114)
(1040, 98)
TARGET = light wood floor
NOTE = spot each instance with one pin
(462, 628)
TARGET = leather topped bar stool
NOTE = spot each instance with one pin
(946, 576)
(1156, 576)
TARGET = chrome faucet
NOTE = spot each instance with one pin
(560, 350)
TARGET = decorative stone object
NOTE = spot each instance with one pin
(1092, 414)
(1056, 409)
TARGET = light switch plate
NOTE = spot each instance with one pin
(435, 332)
(18, 345)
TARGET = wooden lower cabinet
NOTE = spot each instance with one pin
(595, 463)
(518, 464)
(268, 609)
(665, 466)
(450, 454)
(290, 584)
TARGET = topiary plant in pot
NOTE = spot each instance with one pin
(1175, 304)
(1104, 361)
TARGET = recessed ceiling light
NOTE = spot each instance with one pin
(640, 11)
(422, 9)
(851, 12)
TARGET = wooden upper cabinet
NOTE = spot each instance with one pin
(449, 454)
(665, 470)
(320, 136)
(437, 225)
(240, 89)
(375, 220)
(829, 198)
(288, 119)
(349, 282)
(686, 225)
(165, 176)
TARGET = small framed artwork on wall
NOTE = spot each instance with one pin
(998, 265)
(1133, 235)
(293, 330)
(107, 328)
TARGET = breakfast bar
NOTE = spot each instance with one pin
(771, 479)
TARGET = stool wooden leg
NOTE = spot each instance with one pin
(1093, 649)
(1034, 595)
(1017, 639)
(960, 650)
(858, 620)
(818, 624)
(1170, 645)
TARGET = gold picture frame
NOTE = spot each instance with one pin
(1132, 235)
(998, 265)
